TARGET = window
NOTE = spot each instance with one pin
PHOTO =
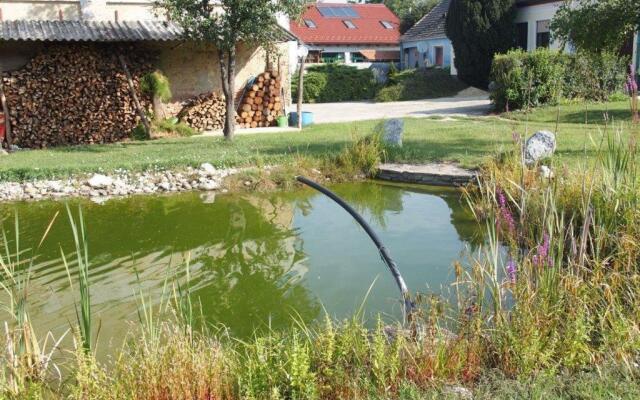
(349, 24)
(522, 35)
(543, 36)
(386, 24)
(310, 24)
(338, 12)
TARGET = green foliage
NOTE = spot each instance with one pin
(594, 76)
(139, 133)
(156, 84)
(336, 82)
(531, 79)
(616, 20)
(420, 84)
(363, 154)
(478, 30)
(524, 79)
(173, 126)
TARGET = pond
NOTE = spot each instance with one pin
(255, 260)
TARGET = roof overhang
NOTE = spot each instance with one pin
(100, 31)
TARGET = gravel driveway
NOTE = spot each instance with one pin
(364, 110)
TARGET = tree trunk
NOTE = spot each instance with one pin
(228, 72)
(159, 110)
(134, 96)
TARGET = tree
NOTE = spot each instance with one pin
(409, 11)
(479, 29)
(616, 20)
(226, 24)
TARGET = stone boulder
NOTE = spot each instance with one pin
(392, 132)
(539, 146)
(99, 181)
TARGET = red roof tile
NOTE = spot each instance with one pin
(332, 30)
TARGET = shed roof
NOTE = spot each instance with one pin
(95, 31)
(431, 26)
(330, 28)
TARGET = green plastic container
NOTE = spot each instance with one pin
(282, 121)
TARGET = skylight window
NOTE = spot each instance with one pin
(338, 12)
(349, 24)
(310, 24)
(386, 24)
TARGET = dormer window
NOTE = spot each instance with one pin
(386, 24)
(349, 24)
(310, 24)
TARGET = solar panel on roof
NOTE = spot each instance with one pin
(338, 12)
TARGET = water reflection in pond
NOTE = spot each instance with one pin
(255, 260)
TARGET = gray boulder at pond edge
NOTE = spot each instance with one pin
(539, 146)
(392, 132)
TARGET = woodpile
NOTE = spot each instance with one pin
(204, 112)
(75, 94)
(262, 103)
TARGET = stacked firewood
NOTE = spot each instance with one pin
(204, 112)
(262, 103)
(74, 94)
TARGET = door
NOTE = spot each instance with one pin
(439, 55)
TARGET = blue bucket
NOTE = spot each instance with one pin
(307, 118)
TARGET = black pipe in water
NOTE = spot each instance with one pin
(384, 253)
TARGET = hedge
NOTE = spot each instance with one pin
(336, 82)
(417, 84)
(529, 79)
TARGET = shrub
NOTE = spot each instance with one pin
(336, 82)
(420, 84)
(522, 79)
(156, 84)
(594, 76)
(139, 133)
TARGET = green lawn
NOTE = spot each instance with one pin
(468, 141)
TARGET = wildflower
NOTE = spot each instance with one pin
(504, 214)
(542, 256)
(512, 268)
(631, 86)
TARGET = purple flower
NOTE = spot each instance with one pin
(504, 216)
(542, 256)
(512, 268)
(631, 86)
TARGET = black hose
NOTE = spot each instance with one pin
(384, 253)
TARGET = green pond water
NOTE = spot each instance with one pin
(255, 260)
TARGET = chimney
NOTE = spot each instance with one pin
(93, 10)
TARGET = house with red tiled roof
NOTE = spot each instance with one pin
(349, 33)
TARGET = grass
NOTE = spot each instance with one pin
(470, 141)
(415, 84)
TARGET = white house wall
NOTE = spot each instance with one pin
(532, 14)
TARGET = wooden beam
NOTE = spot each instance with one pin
(136, 102)
(7, 119)
(300, 90)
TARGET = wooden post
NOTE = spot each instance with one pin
(300, 89)
(7, 118)
(136, 102)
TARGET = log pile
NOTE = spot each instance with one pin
(204, 112)
(75, 94)
(262, 103)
